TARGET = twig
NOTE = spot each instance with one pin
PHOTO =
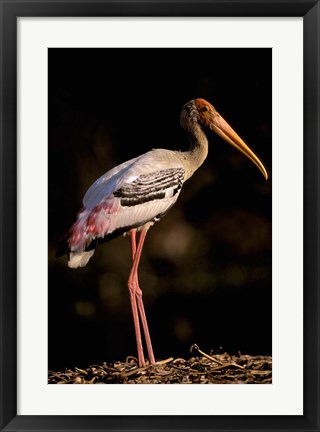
(196, 348)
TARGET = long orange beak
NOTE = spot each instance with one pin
(221, 128)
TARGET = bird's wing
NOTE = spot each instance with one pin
(105, 185)
(145, 198)
(156, 185)
(143, 173)
(130, 195)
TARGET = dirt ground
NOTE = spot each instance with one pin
(202, 369)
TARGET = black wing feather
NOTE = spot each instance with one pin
(149, 187)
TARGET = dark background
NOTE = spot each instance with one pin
(206, 267)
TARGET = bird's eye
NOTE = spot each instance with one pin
(205, 108)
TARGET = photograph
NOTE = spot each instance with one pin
(159, 215)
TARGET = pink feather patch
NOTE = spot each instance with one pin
(92, 224)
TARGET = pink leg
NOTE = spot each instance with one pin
(140, 301)
(133, 233)
(132, 291)
(136, 255)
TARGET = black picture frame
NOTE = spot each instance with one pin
(309, 10)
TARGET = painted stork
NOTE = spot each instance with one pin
(135, 194)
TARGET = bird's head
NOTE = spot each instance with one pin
(202, 112)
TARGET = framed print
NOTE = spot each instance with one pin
(232, 267)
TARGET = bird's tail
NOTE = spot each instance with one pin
(79, 259)
(77, 243)
(90, 228)
(75, 259)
